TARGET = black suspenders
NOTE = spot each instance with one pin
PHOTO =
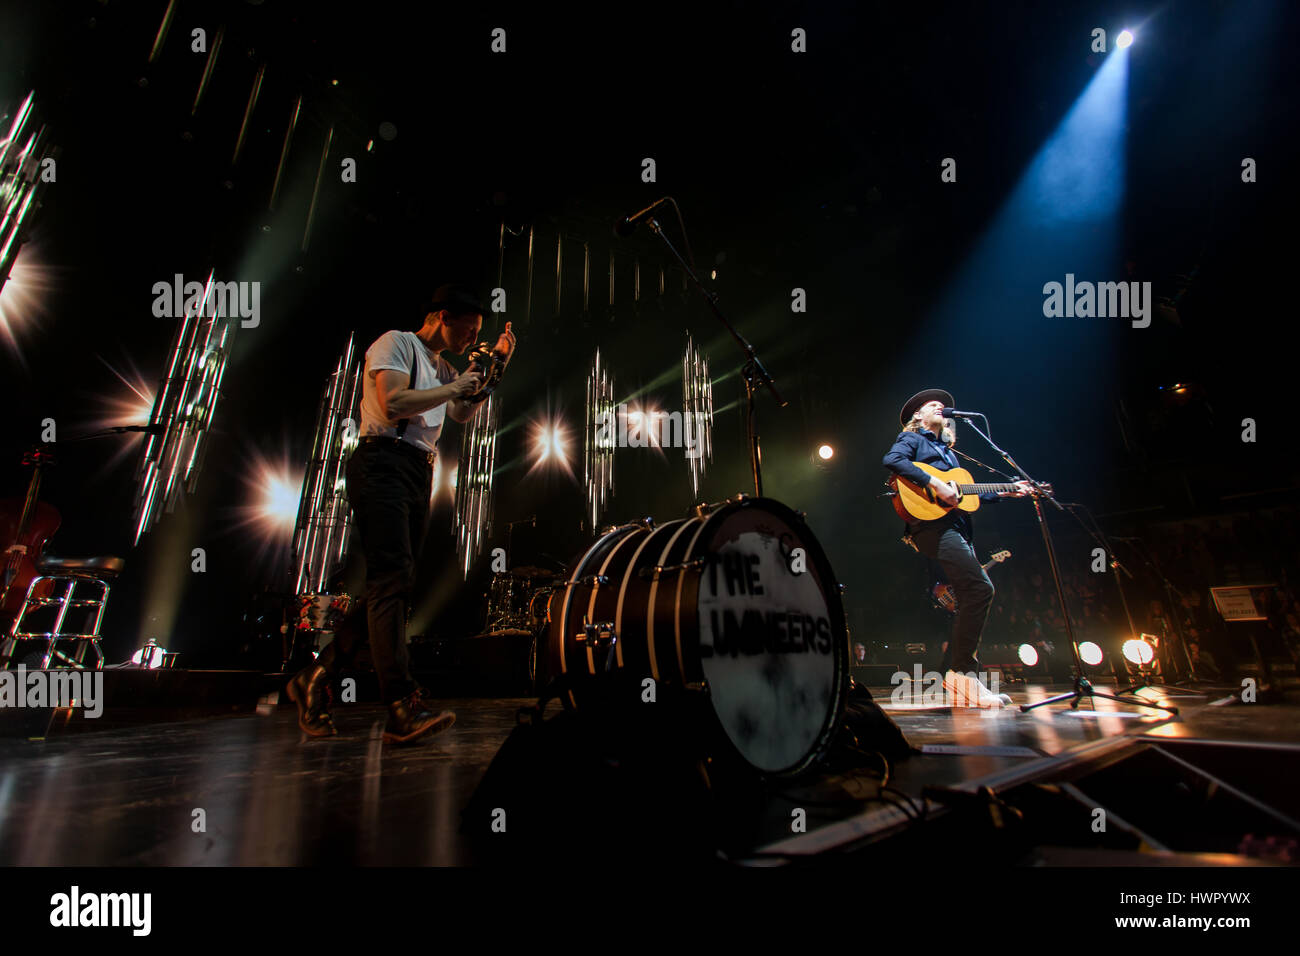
(401, 425)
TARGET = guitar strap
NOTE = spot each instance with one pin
(976, 461)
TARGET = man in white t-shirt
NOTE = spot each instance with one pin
(408, 391)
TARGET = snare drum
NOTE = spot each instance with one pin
(738, 603)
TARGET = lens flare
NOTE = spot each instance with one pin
(273, 490)
(23, 298)
(550, 445)
(131, 403)
(280, 500)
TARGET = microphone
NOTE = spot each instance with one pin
(625, 227)
(953, 413)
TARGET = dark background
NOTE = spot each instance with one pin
(818, 171)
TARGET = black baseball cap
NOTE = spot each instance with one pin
(458, 300)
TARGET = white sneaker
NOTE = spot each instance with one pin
(967, 691)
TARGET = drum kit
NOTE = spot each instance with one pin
(732, 613)
(728, 619)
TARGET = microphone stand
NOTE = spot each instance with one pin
(1082, 686)
(1097, 536)
(753, 372)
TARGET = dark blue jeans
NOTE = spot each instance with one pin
(389, 485)
(970, 585)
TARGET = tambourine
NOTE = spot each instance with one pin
(491, 365)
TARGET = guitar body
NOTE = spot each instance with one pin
(945, 598)
(914, 503)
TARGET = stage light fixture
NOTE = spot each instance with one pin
(1140, 650)
(187, 395)
(1090, 653)
(825, 452)
(1028, 655)
(598, 445)
(1124, 39)
(475, 495)
(149, 656)
(697, 412)
(320, 536)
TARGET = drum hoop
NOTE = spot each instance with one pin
(681, 578)
(650, 604)
(595, 589)
(622, 592)
(578, 568)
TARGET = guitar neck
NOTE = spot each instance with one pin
(984, 489)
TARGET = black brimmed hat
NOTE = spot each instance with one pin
(923, 398)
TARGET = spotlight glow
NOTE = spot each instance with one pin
(132, 404)
(280, 499)
(1090, 653)
(825, 452)
(1138, 651)
(274, 490)
(645, 426)
(1124, 39)
(23, 298)
(1028, 655)
(550, 445)
(155, 656)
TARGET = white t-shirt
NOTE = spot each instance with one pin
(397, 350)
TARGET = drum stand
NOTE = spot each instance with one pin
(1082, 686)
(753, 372)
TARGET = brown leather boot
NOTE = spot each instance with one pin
(308, 691)
(410, 719)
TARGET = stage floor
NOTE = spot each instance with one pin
(270, 797)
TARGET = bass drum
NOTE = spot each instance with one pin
(737, 603)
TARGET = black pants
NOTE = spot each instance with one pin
(389, 485)
(970, 585)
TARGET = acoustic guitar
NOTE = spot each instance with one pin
(914, 503)
(942, 593)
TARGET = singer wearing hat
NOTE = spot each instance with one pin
(928, 437)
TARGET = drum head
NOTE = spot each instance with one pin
(772, 635)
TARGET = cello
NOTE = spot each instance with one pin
(25, 527)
